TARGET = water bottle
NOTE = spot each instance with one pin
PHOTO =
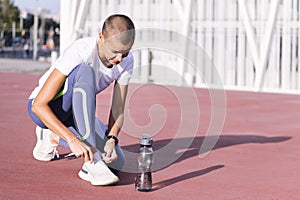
(143, 180)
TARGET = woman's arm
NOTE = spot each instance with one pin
(115, 123)
(41, 108)
(116, 116)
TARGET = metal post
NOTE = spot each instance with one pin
(249, 31)
(265, 46)
(35, 32)
(65, 23)
(80, 18)
(21, 23)
(95, 9)
(220, 46)
(188, 72)
(260, 58)
(145, 65)
(13, 30)
(186, 14)
(286, 45)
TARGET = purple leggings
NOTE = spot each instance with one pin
(68, 104)
(75, 107)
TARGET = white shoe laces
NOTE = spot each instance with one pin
(55, 153)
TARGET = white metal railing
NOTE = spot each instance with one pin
(254, 45)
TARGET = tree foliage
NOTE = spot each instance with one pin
(8, 14)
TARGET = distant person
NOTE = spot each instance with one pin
(50, 43)
(26, 50)
(63, 105)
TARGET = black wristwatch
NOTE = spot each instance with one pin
(113, 137)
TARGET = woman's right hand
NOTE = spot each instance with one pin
(81, 150)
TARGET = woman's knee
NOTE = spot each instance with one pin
(86, 72)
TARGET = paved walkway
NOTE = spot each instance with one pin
(256, 156)
(22, 65)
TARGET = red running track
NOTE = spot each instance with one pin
(257, 155)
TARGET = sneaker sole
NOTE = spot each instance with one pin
(40, 158)
(88, 178)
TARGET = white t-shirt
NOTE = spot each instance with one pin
(85, 51)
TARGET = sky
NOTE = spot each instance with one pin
(51, 5)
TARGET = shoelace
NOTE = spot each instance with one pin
(69, 155)
(55, 153)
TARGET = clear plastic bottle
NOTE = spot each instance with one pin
(143, 180)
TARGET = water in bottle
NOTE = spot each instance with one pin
(145, 159)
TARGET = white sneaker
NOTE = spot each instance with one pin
(44, 150)
(97, 174)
